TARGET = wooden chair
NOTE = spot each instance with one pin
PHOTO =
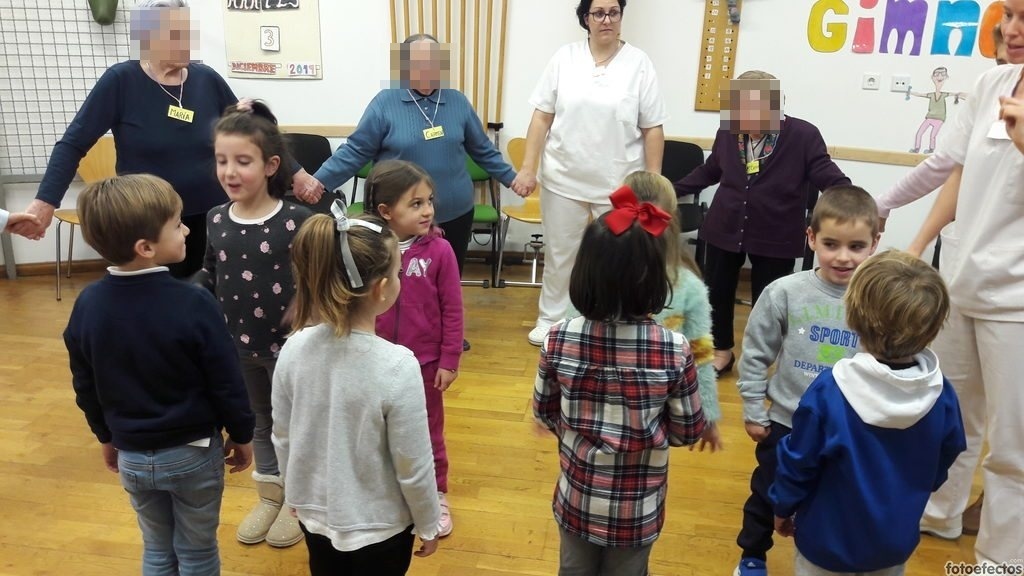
(97, 165)
(528, 212)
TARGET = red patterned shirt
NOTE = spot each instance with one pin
(617, 395)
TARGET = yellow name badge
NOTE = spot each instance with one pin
(753, 167)
(183, 114)
(433, 133)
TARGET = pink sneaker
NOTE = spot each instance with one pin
(444, 527)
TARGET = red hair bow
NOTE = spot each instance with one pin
(626, 210)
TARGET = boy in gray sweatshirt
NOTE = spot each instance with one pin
(799, 325)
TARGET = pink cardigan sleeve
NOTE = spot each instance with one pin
(449, 291)
(919, 182)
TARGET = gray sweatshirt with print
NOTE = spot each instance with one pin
(799, 325)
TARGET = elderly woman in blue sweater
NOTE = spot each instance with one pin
(431, 126)
(161, 110)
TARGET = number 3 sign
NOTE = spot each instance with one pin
(270, 38)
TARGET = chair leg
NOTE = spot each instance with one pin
(494, 253)
(71, 249)
(58, 259)
(498, 282)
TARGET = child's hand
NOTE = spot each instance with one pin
(710, 438)
(109, 456)
(22, 223)
(238, 456)
(757, 432)
(785, 526)
(427, 548)
(444, 378)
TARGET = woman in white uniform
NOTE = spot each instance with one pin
(598, 117)
(984, 267)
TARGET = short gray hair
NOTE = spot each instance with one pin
(162, 4)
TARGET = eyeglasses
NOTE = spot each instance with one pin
(600, 15)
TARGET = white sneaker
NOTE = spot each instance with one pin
(943, 532)
(538, 335)
(444, 527)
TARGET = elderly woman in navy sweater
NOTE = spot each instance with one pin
(161, 110)
(759, 211)
(428, 125)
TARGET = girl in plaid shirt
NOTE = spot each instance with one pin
(618, 390)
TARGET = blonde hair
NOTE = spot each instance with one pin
(845, 203)
(897, 304)
(118, 212)
(322, 289)
(656, 189)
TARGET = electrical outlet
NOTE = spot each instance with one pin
(900, 83)
(871, 82)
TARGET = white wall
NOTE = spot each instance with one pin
(821, 88)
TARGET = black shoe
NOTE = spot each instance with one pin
(465, 345)
(728, 367)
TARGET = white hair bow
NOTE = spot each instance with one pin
(343, 224)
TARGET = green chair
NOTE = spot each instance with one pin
(353, 206)
(486, 219)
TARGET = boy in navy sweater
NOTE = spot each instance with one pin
(157, 375)
(874, 436)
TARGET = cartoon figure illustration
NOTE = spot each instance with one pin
(936, 115)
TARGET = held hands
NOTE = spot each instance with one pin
(757, 432)
(1011, 111)
(785, 526)
(21, 221)
(444, 378)
(710, 438)
(109, 456)
(238, 456)
(306, 187)
(33, 228)
(524, 183)
(427, 548)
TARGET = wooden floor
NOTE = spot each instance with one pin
(63, 513)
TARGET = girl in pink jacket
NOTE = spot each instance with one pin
(427, 318)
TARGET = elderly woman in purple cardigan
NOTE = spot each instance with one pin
(765, 164)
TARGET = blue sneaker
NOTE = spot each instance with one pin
(751, 567)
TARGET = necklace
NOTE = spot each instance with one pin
(600, 62)
(436, 105)
(181, 87)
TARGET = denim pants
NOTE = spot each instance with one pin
(176, 493)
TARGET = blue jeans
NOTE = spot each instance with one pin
(176, 493)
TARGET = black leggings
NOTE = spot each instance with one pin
(458, 233)
(722, 274)
(388, 558)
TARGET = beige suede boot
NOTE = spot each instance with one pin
(285, 531)
(258, 522)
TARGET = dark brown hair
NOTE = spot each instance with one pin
(260, 126)
(323, 292)
(389, 180)
(118, 212)
(583, 8)
(621, 277)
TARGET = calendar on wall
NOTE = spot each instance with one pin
(273, 39)
(717, 55)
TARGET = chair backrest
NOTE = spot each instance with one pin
(100, 162)
(680, 159)
(516, 153)
(309, 150)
